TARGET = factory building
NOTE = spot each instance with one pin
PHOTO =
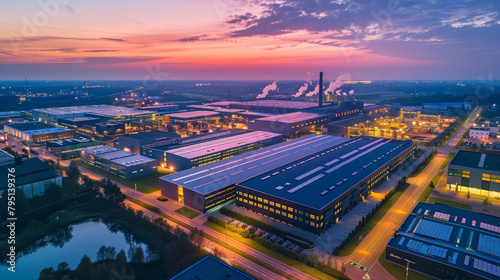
(210, 268)
(480, 133)
(345, 127)
(194, 116)
(104, 112)
(314, 192)
(35, 133)
(71, 148)
(78, 122)
(212, 185)
(33, 176)
(291, 125)
(446, 106)
(446, 242)
(115, 161)
(134, 142)
(474, 172)
(273, 106)
(211, 151)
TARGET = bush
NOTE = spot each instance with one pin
(162, 198)
(217, 221)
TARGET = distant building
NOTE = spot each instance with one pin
(343, 127)
(445, 106)
(210, 268)
(479, 132)
(478, 173)
(71, 148)
(78, 122)
(37, 132)
(447, 243)
(33, 176)
(134, 142)
(124, 164)
(291, 125)
(194, 116)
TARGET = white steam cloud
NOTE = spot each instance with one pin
(338, 82)
(351, 91)
(301, 90)
(314, 92)
(268, 88)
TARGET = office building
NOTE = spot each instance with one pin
(115, 161)
(479, 133)
(474, 172)
(211, 185)
(37, 132)
(314, 192)
(447, 243)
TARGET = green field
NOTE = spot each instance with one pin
(146, 184)
(449, 202)
(399, 272)
(446, 161)
(186, 212)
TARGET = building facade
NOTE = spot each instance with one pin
(39, 133)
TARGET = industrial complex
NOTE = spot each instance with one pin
(37, 133)
(291, 125)
(448, 243)
(474, 172)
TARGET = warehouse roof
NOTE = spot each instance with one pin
(101, 150)
(114, 155)
(29, 126)
(211, 177)
(461, 238)
(476, 160)
(226, 143)
(210, 268)
(5, 158)
(280, 104)
(292, 117)
(350, 122)
(193, 115)
(100, 110)
(326, 175)
(203, 107)
(29, 171)
(152, 135)
(132, 160)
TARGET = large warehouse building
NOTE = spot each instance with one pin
(448, 243)
(314, 192)
(291, 125)
(211, 185)
(475, 172)
(134, 142)
(124, 164)
(211, 151)
(37, 132)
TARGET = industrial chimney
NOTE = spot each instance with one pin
(320, 89)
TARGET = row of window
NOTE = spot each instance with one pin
(491, 178)
(459, 173)
(309, 123)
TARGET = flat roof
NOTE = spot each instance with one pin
(29, 126)
(70, 141)
(210, 268)
(215, 146)
(229, 110)
(350, 122)
(280, 104)
(214, 176)
(326, 175)
(476, 160)
(132, 160)
(48, 130)
(457, 237)
(203, 107)
(292, 117)
(80, 119)
(30, 170)
(114, 155)
(193, 115)
(101, 110)
(152, 135)
(101, 150)
(5, 158)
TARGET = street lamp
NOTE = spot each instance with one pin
(407, 266)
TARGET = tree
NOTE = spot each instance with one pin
(218, 253)
(121, 261)
(62, 266)
(112, 192)
(22, 204)
(106, 253)
(196, 237)
(431, 185)
(52, 193)
(138, 255)
(84, 269)
(73, 171)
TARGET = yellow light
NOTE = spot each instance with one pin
(171, 168)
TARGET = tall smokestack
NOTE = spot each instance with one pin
(320, 89)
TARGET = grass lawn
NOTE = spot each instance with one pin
(146, 184)
(446, 161)
(186, 212)
(449, 202)
(257, 246)
(400, 272)
(354, 242)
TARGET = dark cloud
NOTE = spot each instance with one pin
(99, 51)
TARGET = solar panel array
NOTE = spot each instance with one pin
(489, 244)
(414, 245)
(434, 230)
(437, 251)
(486, 267)
(489, 227)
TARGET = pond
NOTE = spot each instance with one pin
(69, 245)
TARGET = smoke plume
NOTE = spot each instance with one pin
(314, 92)
(301, 90)
(268, 88)
(338, 82)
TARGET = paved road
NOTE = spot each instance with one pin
(374, 243)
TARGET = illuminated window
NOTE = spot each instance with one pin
(266, 201)
(284, 207)
(271, 209)
(312, 224)
(251, 196)
(278, 205)
(278, 211)
(290, 216)
(271, 203)
(290, 209)
(313, 217)
(266, 208)
(259, 199)
(251, 202)
(245, 195)
(260, 205)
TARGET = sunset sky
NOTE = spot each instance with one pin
(249, 39)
